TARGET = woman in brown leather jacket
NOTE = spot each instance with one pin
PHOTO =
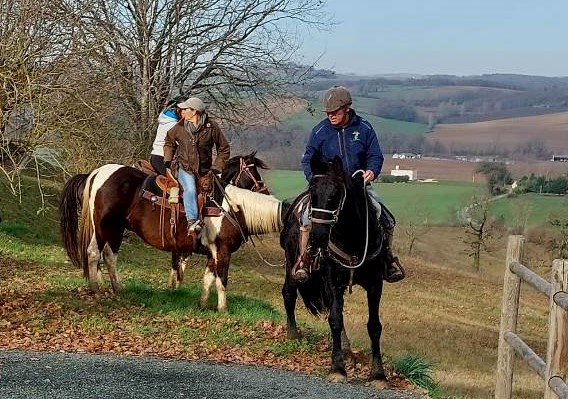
(192, 140)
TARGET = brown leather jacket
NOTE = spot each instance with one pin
(195, 151)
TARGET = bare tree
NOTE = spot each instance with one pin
(415, 226)
(478, 228)
(559, 220)
(83, 81)
(235, 54)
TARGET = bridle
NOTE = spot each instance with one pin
(258, 184)
(327, 216)
(330, 217)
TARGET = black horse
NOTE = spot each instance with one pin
(345, 246)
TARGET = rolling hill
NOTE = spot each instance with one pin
(550, 131)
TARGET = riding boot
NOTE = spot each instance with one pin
(393, 269)
(301, 269)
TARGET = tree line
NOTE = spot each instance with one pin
(83, 81)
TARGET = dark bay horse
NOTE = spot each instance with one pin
(345, 245)
(96, 208)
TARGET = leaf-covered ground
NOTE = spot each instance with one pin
(43, 309)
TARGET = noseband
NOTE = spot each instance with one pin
(258, 184)
(330, 217)
(327, 216)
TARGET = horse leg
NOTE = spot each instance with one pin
(223, 260)
(93, 273)
(345, 344)
(208, 279)
(110, 257)
(177, 270)
(375, 328)
(335, 320)
(290, 295)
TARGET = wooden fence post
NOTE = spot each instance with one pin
(509, 315)
(557, 350)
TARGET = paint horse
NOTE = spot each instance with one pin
(96, 208)
(345, 248)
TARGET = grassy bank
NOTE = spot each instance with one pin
(442, 311)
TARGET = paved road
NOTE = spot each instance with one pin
(41, 375)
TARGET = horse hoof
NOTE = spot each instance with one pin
(379, 384)
(336, 377)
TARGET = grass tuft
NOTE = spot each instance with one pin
(417, 370)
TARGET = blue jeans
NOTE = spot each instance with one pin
(187, 181)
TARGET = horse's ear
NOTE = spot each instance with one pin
(317, 164)
(337, 166)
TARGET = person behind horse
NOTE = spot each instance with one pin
(345, 134)
(166, 120)
(192, 140)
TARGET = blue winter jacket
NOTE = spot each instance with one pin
(356, 144)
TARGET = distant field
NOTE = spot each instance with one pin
(435, 203)
(452, 169)
(432, 202)
(510, 133)
(537, 209)
(422, 93)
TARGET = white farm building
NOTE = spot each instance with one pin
(412, 174)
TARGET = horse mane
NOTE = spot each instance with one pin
(261, 211)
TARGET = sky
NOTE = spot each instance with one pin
(456, 37)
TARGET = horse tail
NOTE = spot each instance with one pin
(86, 230)
(70, 204)
(314, 295)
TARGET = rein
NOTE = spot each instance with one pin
(333, 251)
(258, 185)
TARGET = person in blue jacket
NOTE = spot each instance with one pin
(167, 119)
(345, 134)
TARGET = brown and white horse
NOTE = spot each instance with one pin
(96, 208)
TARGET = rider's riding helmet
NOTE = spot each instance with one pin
(335, 98)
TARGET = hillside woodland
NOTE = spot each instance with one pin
(502, 116)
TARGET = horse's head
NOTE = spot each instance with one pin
(242, 171)
(327, 190)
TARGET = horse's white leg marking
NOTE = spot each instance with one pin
(182, 265)
(93, 256)
(221, 296)
(208, 279)
(110, 261)
(174, 283)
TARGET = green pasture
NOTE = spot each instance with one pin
(534, 208)
(436, 203)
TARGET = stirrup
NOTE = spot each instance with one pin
(194, 225)
(397, 271)
(301, 275)
(300, 271)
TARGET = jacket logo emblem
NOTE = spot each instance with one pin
(356, 136)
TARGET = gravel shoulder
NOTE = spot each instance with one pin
(39, 375)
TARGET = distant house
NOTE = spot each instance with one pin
(406, 155)
(412, 174)
(560, 158)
